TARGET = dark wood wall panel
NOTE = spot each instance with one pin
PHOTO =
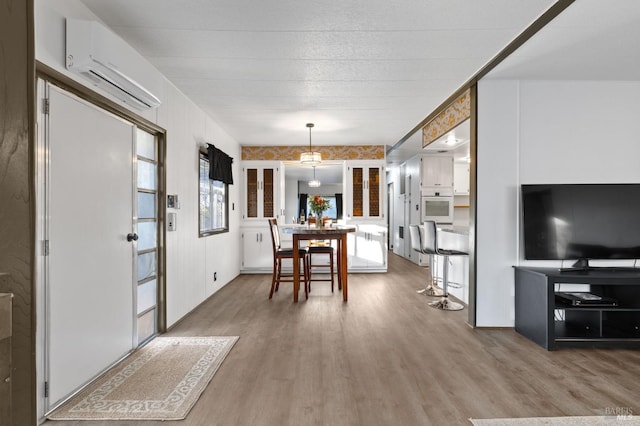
(17, 88)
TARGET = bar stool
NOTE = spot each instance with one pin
(431, 234)
(279, 254)
(320, 247)
(420, 245)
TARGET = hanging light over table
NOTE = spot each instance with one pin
(310, 157)
(314, 183)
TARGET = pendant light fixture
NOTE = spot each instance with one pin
(311, 157)
(314, 183)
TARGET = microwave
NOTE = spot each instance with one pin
(437, 206)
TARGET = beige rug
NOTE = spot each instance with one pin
(161, 381)
(628, 420)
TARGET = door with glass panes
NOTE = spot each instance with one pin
(100, 232)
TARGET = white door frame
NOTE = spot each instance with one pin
(41, 163)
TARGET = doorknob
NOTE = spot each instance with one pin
(132, 237)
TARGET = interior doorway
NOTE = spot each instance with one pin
(390, 216)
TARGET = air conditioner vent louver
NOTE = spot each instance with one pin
(107, 61)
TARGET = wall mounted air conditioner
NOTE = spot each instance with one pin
(99, 55)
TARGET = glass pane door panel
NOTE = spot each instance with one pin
(146, 265)
(146, 235)
(146, 205)
(147, 229)
(146, 325)
(252, 192)
(146, 175)
(374, 192)
(267, 193)
(145, 144)
(358, 192)
(146, 296)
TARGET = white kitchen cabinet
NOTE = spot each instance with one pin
(257, 250)
(365, 189)
(261, 189)
(461, 179)
(367, 248)
(436, 171)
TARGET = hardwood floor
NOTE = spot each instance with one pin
(385, 358)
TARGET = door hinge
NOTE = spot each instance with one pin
(45, 106)
(45, 247)
(46, 389)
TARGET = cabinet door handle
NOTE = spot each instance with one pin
(261, 237)
(257, 238)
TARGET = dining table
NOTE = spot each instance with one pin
(312, 232)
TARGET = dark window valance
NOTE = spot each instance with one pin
(219, 165)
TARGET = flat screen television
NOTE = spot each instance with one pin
(581, 221)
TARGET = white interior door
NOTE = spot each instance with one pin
(90, 306)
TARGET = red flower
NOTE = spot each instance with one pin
(319, 205)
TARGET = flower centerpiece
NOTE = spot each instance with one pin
(318, 206)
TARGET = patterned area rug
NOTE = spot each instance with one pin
(623, 420)
(161, 381)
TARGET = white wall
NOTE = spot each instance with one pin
(412, 199)
(542, 132)
(191, 261)
(291, 200)
(497, 172)
(324, 189)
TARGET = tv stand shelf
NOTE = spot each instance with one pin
(554, 323)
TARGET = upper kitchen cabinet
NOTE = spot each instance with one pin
(436, 170)
(261, 183)
(365, 188)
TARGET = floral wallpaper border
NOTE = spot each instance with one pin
(454, 114)
(329, 152)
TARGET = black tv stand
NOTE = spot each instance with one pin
(600, 268)
(552, 323)
(576, 269)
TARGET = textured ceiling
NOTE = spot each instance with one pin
(590, 40)
(365, 72)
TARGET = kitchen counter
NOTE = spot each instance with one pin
(460, 230)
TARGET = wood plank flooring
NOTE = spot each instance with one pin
(385, 358)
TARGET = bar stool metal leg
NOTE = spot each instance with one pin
(444, 303)
(432, 288)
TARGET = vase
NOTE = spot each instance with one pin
(319, 221)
